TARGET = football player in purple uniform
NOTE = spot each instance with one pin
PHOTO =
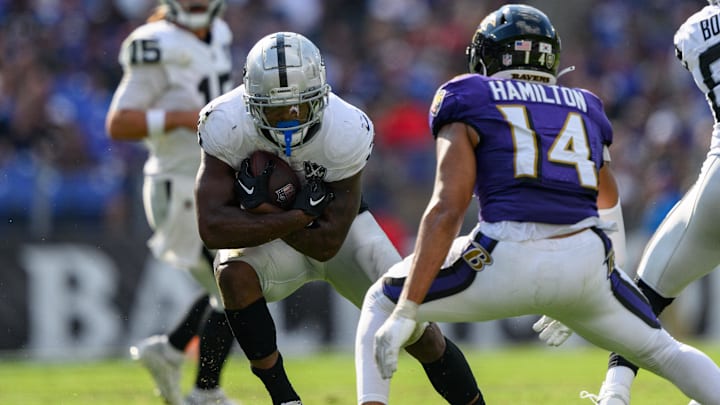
(285, 106)
(534, 154)
(173, 65)
(684, 248)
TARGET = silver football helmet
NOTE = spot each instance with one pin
(285, 71)
(195, 14)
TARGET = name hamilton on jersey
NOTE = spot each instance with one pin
(506, 90)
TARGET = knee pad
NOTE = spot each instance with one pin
(254, 329)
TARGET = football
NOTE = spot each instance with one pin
(283, 184)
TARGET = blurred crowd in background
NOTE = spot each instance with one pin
(59, 67)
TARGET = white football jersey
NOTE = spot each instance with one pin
(167, 67)
(697, 42)
(341, 145)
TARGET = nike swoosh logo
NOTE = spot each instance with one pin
(315, 202)
(247, 190)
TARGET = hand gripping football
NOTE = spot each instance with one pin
(283, 184)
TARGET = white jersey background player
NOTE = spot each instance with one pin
(285, 106)
(172, 66)
(686, 245)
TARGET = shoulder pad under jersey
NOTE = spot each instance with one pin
(221, 130)
(350, 138)
(697, 37)
(159, 42)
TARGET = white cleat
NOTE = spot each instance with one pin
(208, 397)
(610, 394)
(164, 363)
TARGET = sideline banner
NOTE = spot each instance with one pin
(84, 295)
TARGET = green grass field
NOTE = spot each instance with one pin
(521, 375)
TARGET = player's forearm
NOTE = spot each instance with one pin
(438, 229)
(126, 125)
(232, 228)
(181, 119)
(133, 125)
(323, 240)
(320, 241)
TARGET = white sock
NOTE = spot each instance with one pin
(620, 375)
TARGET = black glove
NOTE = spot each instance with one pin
(314, 197)
(252, 190)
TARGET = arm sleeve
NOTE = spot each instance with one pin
(143, 82)
(615, 215)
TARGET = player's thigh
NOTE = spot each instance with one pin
(517, 278)
(348, 278)
(156, 200)
(684, 247)
(450, 297)
(469, 286)
(281, 269)
(620, 320)
(170, 211)
(169, 199)
(369, 246)
(366, 254)
(203, 273)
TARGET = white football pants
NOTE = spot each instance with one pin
(366, 254)
(686, 246)
(565, 278)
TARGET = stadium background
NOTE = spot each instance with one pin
(76, 279)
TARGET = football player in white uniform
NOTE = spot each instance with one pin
(505, 136)
(285, 106)
(173, 65)
(685, 247)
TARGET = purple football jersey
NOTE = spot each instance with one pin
(540, 150)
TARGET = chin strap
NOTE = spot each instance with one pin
(566, 70)
(288, 140)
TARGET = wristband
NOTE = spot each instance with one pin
(406, 309)
(155, 120)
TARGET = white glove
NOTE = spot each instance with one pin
(552, 332)
(392, 336)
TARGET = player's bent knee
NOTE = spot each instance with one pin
(430, 346)
(239, 284)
